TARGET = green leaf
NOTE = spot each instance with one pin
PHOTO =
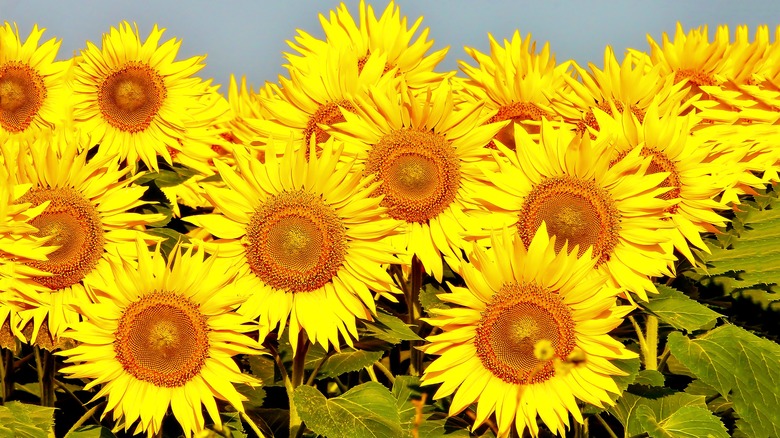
(733, 360)
(450, 427)
(264, 368)
(649, 378)
(26, 421)
(171, 239)
(390, 329)
(429, 299)
(92, 431)
(168, 178)
(749, 254)
(626, 408)
(346, 361)
(407, 393)
(255, 396)
(368, 410)
(680, 311)
(686, 422)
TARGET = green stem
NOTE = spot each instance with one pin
(6, 374)
(415, 311)
(83, 419)
(385, 371)
(664, 357)
(313, 375)
(299, 361)
(640, 337)
(45, 366)
(651, 339)
(70, 393)
(252, 425)
(606, 426)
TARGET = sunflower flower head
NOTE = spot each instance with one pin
(33, 93)
(631, 85)
(139, 102)
(694, 178)
(309, 238)
(569, 182)
(429, 155)
(389, 35)
(527, 336)
(516, 82)
(80, 207)
(162, 335)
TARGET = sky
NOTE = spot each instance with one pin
(248, 38)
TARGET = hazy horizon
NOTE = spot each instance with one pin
(247, 38)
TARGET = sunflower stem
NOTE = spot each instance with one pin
(415, 311)
(313, 375)
(7, 374)
(651, 340)
(252, 425)
(69, 392)
(606, 426)
(641, 338)
(298, 370)
(83, 419)
(385, 371)
(45, 364)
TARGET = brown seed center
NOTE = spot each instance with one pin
(22, 92)
(420, 173)
(327, 114)
(519, 317)
(162, 339)
(73, 224)
(574, 210)
(517, 112)
(295, 242)
(130, 97)
(661, 163)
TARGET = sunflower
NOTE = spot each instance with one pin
(85, 216)
(387, 35)
(309, 240)
(632, 84)
(527, 335)
(315, 94)
(745, 112)
(430, 157)
(693, 178)
(33, 94)
(516, 83)
(18, 244)
(162, 334)
(570, 182)
(690, 57)
(137, 101)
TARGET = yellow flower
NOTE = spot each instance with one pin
(137, 102)
(516, 83)
(527, 336)
(570, 182)
(632, 84)
(429, 156)
(309, 240)
(691, 58)
(388, 35)
(33, 95)
(162, 334)
(692, 177)
(86, 216)
(314, 95)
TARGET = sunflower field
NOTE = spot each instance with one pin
(374, 248)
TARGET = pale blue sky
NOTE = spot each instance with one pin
(248, 37)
